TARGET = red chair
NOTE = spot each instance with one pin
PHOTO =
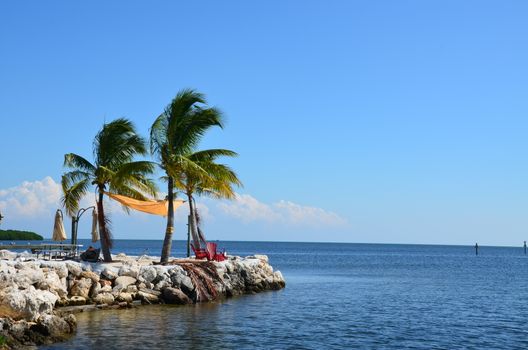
(200, 253)
(213, 254)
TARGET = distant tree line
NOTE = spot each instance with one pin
(13, 235)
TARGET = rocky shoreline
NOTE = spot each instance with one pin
(37, 297)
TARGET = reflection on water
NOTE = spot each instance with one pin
(342, 296)
(187, 327)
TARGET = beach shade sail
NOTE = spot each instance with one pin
(95, 234)
(59, 234)
(153, 207)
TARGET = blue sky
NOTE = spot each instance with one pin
(356, 121)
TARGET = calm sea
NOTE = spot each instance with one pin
(339, 296)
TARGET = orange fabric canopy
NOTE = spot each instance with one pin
(149, 206)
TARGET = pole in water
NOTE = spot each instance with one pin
(524, 247)
(476, 248)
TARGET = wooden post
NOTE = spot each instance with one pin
(476, 248)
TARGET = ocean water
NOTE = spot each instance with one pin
(339, 296)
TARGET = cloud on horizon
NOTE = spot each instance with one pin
(248, 209)
(31, 199)
(38, 200)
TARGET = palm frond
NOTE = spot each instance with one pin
(74, 161)
(73, 193)
(103, 175)
(212, 154)
(193, 126)
(71, 177)
(208, 178)
(220, 183)
(117, 143)
(158, 135)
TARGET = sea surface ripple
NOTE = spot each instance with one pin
(339, 296)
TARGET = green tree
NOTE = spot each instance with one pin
(114, 169)
(208, 178)
(173, 136)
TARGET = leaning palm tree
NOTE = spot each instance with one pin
(208, 179)
(173, 136)
(114, 169)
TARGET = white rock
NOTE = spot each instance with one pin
(55, 325)
(29, 303)
(73, 268)
(53, 283)
(77, 300)
(182, 281)
(59, 267)
(129, 270)
(162, 284)
(81, 287)
(87, 266)
(27, 265)
(7, 255)
(176, 270)
(91, 275)
(148, 297)
(124, 281)
(104, 298)
(28, 276)
(109, 273)
(125, 297)
(262, 257)
(277, 276)
(148, 273)
(96, 289)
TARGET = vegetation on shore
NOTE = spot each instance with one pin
(13, 235)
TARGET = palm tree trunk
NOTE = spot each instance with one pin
(189, 235)
(105, 237)
(192, 223)
(167, 243)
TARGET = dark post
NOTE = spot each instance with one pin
(75, 222)
(76, 229)
(524, 247)
(188, 236)
(73, 231)
(476, 248)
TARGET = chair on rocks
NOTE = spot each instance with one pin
(213, 254)
(200, 253)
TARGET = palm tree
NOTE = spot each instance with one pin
(114, 149)
(208, 179)
(173, 136)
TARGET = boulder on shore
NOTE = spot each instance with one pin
(31, 292)
(175, 296)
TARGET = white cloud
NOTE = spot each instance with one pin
(249, 209)
(31, 198)
(41, 197)
(33, 204)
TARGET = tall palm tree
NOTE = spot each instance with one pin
(173, 136)
(208, 179)
(114, 169)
